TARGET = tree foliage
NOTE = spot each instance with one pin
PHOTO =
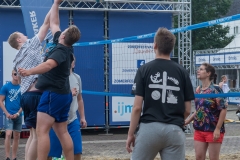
(214, 36)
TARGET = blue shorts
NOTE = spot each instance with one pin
(13, 124)
(75, 133)
(55, 105)
(29, 102)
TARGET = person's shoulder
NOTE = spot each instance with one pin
(34, 39)
(6, 85)
(60, 49)
(64, 49)
(174, 64)
(147, 65)
(217, 88)
(76, 74)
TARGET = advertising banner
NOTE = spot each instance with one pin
(201, 59)
(232, 58)
(217, 59)
(34, 12)
(122, 108)
(127, 58)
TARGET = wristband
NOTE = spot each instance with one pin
(17, 113)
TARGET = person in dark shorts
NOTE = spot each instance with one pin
(74, 125)
(166, 90)
(29, 56)
(54, 81)
(10, 94)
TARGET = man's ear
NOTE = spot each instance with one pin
(63, 36)
(19, 40)
(154, 45)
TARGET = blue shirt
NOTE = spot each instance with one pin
(12, 95)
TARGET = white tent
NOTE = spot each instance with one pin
(233, 46)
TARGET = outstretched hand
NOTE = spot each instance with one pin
(23, 72)
(58, 1)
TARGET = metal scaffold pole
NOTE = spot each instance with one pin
(185, 38)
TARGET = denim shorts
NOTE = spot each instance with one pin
(13, 124)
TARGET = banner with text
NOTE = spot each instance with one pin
(122, 108)
(218, 59)
(34, 12)
(127, 58)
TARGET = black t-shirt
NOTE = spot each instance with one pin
(56, 80)
(164, 86)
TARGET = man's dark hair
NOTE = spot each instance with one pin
(165, 41)
(72, 35)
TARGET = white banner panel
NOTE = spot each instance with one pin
(122, 108)
(127, 58)
(232, 58)
(234, 100)
(201, 59)
(217, 59)
(8, 56)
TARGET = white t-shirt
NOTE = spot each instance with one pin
(75, 82)
(225, 88)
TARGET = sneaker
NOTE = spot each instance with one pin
(14, 159)
(8, 158)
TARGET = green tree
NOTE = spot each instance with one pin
(214, 36)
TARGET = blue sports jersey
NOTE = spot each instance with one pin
(12, 95)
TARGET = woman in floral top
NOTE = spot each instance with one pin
(208, 117)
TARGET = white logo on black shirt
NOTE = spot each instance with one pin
(156, 95)
(171, 98)
(134, 87)
(155, 79)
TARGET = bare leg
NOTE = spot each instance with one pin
(28, 144)
(8, 135)
(65, 139)
(200, 150)
(16, 137)
(44, 123)
(32, 150)
(214, 151)
(77, 157)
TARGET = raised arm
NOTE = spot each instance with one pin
(44, 28)
(54, 18)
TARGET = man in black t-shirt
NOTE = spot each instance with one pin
(166, 90)
(54, 81)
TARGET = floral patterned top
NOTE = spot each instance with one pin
(208, 109)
